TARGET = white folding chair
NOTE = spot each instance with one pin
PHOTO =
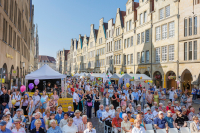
(160, 131)
(184, 130)
(149, 126)
(188, 123)
(149, 131)
(173, 130)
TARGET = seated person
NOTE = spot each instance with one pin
(116, 123)
(100, 111)
(137, 128)
(148, 118)
(52, 117)
(71, 113)
(37, 128)
(130, 118)
(169, 119)
(3, 128)
(194, 128)
(37, 116)
(64, 120)
(160, 122)
(180, 120)
(54, 128)
(18, 128)
(106, 116)
(192, 113)
(19, 115)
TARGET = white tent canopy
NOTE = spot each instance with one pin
(116, 76)
(136, 76)
(45, 72)
(103, 75)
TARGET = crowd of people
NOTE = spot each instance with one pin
(124, 109)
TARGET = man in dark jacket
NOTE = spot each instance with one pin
(4, 99)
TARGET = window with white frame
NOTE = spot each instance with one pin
(195, 25)
(120, 59)
(142, 37)
(157, 54)
(157, 33)
(171, 52)
(138, 38)
(115, 45)
(164, 31)
(190, 50)
(124, 59)
(164, 54)
(161, 13)
(127, 26)
(120, 44)
(128, 59)
(132, 41)
(145, 16)
(147, 35)
(131, 58)
(167, 11)
(91, 44)
(185, 27)
(142, 54)
(147, 56)
(128, 42)
(141, 18)
(118, 31)
(138, 57)
(190, 26)
(185, 51)
(117, 59)
(195, 50)
(124, 43)
(171, 29)
(130, 23)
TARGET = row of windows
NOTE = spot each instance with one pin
(128, 42)
(164, 52)
(190, 50)
(118, 45)
(164, 12)
(109, 47)
(117, 59)
(192, 26)
(128, 59)
(141, 56)
(128, 25)
(167, 31)
(100, 63)
(143, 17)
(100, 51)
(100, 40)
(142, 38)
(109, 33)
(109, 60)
(91, 54)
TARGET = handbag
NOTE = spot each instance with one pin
(89, 104)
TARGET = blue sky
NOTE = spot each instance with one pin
(61, 20)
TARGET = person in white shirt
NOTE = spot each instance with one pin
(137, 128)
(75, 100)
(106, 116)
(155, 112)
(87, 87)
(18, 128)
(70, 127)
(177, 106)
(36, 99)
(89, 128)
(171, 93)
(112, 111)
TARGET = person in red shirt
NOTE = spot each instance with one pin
(172, 109)
(116, 123)
(169, 105)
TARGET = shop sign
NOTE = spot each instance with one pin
(2, 80)
(9, 56)
(14, 73)
(140, 67)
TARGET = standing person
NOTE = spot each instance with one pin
(36, 99)
(31, 108)
(75, 100)
(106, 100)
(24, 104)
(115, 100)
(184, 98)
(123, 99)
(10, 97)
(4, 99)
(51, 104)
(136, 97)
(179, 93)
(80, 106)
(97, 99)
(149, 98)
(130, 98)
(162, 98)
(44, 100)
(171, 93)
(156, 97)
(189, 101)
(57, 90)
(89, 104)
(194, 93)
(17, 97)
(56, 98)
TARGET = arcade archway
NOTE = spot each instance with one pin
(186, 79)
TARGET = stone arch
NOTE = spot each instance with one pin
(186, 79)
(157, 78)
(171, 79)
(138, 72)
(131, 72)
(147, 73)
(6, 71)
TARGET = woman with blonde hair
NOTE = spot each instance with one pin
(37, 128)
(52, 104)
(156, 97)
(126, 125)
(137, 127)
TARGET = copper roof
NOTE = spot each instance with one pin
(46, 58)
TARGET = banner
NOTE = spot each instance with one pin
(126, 81)
(65, 103)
